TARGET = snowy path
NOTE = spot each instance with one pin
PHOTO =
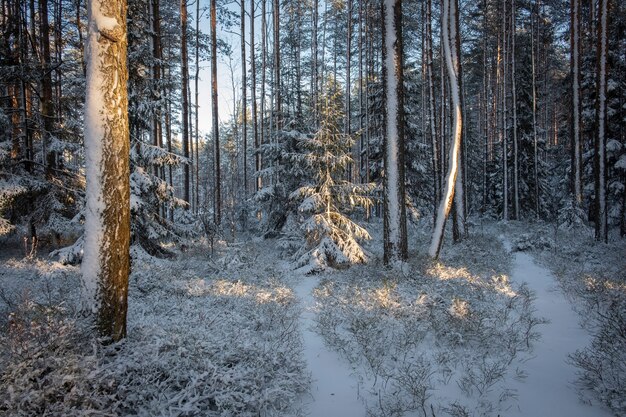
(548, 389)
(334, 390)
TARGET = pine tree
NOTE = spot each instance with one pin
(106, 262)
(395, 239)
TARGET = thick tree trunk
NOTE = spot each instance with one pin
(106, 261)
(395, 239)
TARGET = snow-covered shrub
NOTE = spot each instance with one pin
(603, 364)
(197, 344)
(455, 327)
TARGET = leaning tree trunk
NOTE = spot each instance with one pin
(395, 239)
(106, 261)
(448, 196)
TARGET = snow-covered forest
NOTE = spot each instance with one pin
(313, 208)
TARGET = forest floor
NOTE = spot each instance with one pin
(486, 331)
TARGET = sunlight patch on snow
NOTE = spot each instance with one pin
(444, 273)
(499, 283)
(594, 284)
(222, 287)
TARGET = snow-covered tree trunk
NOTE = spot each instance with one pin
(600, 145)
(395, 239)
(448, 196)
(106, 260)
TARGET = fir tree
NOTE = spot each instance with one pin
(332, 238)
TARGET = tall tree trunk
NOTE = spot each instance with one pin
(197, 109)
(262, 139)
(446, 201)
(255, 126)
(395, 239)
(277, 92)
(535, 136)
(516, 213)
(157, 130)
(185, 97)
(348, 109)
(460, 210)
(432, 117)
(601, 215)
(217, 203)
(244, 104)
(505, 149)
(106, 261)
(575, 75)
(314, 64)
(47, 104)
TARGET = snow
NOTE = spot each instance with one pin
(391, 159)
(549, 387)
(334, 389)
(242, 334)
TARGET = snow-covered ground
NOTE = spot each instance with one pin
(549, 388)
(334, 389)
(241, 334)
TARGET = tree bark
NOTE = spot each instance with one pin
(106, 261)
(395, 239)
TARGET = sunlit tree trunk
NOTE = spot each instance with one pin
(106, 261)
(455, 150)
(460, 212)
